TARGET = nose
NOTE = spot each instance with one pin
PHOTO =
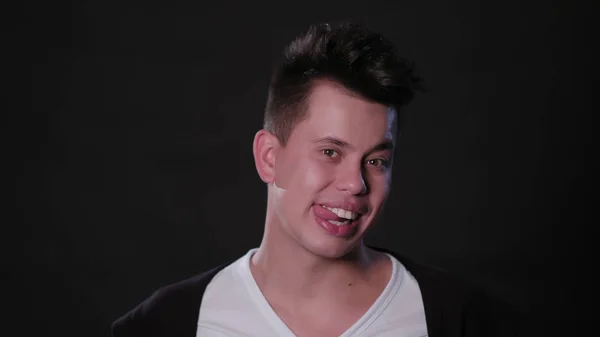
(351, 179)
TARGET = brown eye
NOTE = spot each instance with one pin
(381, 163)
(329, 152)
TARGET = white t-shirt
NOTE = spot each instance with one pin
(234, 306)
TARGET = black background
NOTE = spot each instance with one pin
(134, 163)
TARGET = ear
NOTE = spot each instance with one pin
(264, 148)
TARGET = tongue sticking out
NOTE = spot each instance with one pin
(326, 214)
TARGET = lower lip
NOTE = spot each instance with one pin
(335, 230)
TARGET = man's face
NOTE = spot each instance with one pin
(336, 165)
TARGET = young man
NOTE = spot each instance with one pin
(326, 154)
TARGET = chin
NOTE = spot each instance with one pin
(331, 248)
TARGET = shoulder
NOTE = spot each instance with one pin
(170, 311)
(458, 305)
(433, 280)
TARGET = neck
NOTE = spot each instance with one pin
(289, 270)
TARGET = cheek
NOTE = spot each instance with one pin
(380, 185)
(310, 175)
(305, 180)
(317, 176)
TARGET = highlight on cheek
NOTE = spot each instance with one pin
(278, 190)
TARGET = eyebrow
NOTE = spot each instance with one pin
(334, 141)
(385, 145)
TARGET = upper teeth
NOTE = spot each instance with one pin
(342, 213)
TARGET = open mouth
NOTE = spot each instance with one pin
(344, 217)
(336, 221)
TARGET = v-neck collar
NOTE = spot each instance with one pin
(358, 327)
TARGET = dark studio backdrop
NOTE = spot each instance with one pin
(135, 167)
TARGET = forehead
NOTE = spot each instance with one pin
(333, 111)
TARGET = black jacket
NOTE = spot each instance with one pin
(452, 309)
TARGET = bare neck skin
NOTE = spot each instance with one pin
(288, 272)
(305, 277)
